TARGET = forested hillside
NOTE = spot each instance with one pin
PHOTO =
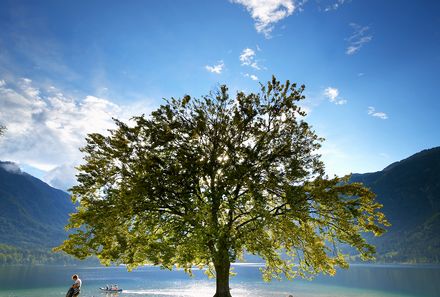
(410, 193)
(32, 218)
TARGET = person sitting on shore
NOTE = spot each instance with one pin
(76, 285)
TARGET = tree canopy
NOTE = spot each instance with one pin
(201, 181)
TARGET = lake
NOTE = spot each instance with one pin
(359, 281)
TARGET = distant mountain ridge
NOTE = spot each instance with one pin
(410, 192)
(33, 213)
(32, 219)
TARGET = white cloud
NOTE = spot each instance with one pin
(381, 115)
(46, 128)
(10, 167)
(340, 102)
(335, 5)
(26, 86)
(378, 114)
(247, 58)
(251, 76)
(357, 40)
(216, 68)
(333, 96)
(62, 177)
(267, 12)
(331, 93)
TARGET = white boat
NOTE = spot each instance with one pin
(111, 289)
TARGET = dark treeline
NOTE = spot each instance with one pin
(10, 255)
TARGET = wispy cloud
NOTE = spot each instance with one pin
(267, 12)
(46, 127)
(357, 40)
(378, 114)
(333, 96)
(247, 58)
(251, 76)
(11, 167)
(335, 5)
(216, 68)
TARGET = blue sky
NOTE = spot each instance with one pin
(371, 70)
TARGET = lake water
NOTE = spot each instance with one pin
(359, 281)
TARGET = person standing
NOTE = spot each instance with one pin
(76, 285)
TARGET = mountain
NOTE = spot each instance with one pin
(33, 213)
(32, 218)
(410, 193)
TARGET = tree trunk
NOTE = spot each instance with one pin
(222, 278)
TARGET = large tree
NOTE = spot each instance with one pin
(201, 181)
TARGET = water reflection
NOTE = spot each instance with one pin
(111, 294)
(34, 276)
(414, 280)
